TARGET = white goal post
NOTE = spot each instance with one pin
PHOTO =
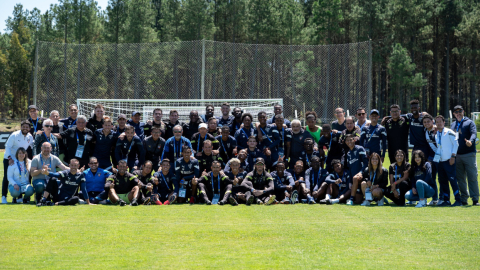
(114, 107)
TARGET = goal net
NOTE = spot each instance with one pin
(114, 107)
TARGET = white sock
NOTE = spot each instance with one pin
(327, 197)
(334, 201)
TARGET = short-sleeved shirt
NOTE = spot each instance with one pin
(70, 183)
(316, 135)
(53, 162)
(400, 170)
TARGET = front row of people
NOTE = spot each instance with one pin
(187, 183)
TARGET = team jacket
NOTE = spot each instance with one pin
(96, 181)
(153, 150)
(447, 144)
(465, 129)
(130, 150)
(381, 181)
(173, 148)
(123, 183)
(356, 160)
(166, 183)
(346, 180)
(197, 142)
(281, 183)
(242, 136)
(226, 147)
(213, 183)
(252, 158)
(205, 161)
(261, 182)
(314, 179)
(374, 138)
(138, 128)
(307, 158)
(187, 170)
(104, 147)
(69, 184)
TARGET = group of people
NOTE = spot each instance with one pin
(233, 159)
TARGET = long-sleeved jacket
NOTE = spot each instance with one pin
(242, 135)
(447, 144)
(166, 183)
(344, 185)
(424, 174)
(130, 150)
(17, 177)
(15, 141)
(374, 138)
(187, 170)
(173, 148)
(281, 183)
(356, 160)
(376, 178)
(466, 129)
(70, 183)
(263, 181)
(315, 178)
(105, 147)
(153, 150)
(40, 139)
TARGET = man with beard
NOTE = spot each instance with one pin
(228, 144)
(173, 121)
(397, 132)
(153, 146)
(226, 119)
(157, 122)
(278, 110)
(284, 185)
(237, 121)
(209, 112)
(192, 127)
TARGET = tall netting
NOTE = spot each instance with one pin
(114, 107)
(318, 78)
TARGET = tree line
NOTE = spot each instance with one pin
(424, 49)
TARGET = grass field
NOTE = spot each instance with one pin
(259, 237)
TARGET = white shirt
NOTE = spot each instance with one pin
(15, 141)
(361, 126)
(448, 145)
(15, 177)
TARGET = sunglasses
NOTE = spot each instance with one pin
(177, 132)
(93, 163)
(360, 113)
(48, 126)
(458, 111)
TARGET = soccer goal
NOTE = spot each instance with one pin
(114, 107)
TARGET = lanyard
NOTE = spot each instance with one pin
(218, 180)
(20, 170)
(199, 140)
(72, 123)
(375, 175)
(318, 177)
(49, 140)
(329, 144)
(306, 156)
(174, 148)
(283, 137)
(224, 149)
(243, 129)
(459, 124)
(130, 148)
(35, 127)
(338, 176)
(369, 138)
(263, 131)
(84, 141)
(439, 138)
(41, 161)
(395, 172)
(164, 180)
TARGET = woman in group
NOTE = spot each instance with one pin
(311, 127)
(399, 173)
(423, 184)
(18, 177)
(375, 180)
(46, 136)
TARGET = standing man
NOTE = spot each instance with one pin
(153, 146)
(122, 123)
(19, 138)
(445, 155)
(237, 120)
(339, 124)
(130, 149)
(71, 121)
(374, 136)
(277, 109)
(192, 127)
(173, 121)
(157, 122)
(209, 111)
(397, 133)
(228, 144)
(466, 162)
(362, 118)
(226, 119)
(174, 146)
(331, 141)
(135, 122)
(297, 144)
(79, 141)
(201, 136)
(105, 141)
(36, 123)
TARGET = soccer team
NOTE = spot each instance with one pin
(231, 159)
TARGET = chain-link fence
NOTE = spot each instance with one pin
(318, 78)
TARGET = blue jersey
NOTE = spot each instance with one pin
(417, 131)
(356, 160)
(96, 181)
(224, 122)
(242, 136)
(266, 140)
(138, 128)
(344, 186)
(69, 184)
(104, 147)
(252, 158)
(281, 183)
(374, 138)
(187, 170)
(173, 148)
(166, 183)
(285, 121)
(226, 147)
(307, 158)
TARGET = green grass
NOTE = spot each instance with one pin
(260, 237)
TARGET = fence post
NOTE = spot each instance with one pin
(35, 76)
(202, 86)
(65, 79)
(369, 88)
(78, 73)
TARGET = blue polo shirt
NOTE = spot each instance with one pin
(96, 182)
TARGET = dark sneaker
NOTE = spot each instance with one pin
(464, 203)
(311, 200)
(134, 202)
(294, 197)
(250, 200)
(208, 202)
(49, 203)
(147, 201)
(222, 202)
(324, 201)
(444, 204)
(475, 203)
(43, 202)
(457, 203)
(122, 202)
(232, 201)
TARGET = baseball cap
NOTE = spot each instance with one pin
(260, 161)
(122, 116)
(374, 111)
(458, 107)
(202, 125)
(136, 112)
(32, 107)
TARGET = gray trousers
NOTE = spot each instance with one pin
(466, 167)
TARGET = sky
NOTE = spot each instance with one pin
(6, 7)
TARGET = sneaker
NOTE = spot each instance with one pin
(464, 203)
(172, 199)
(134, 202)
(443, 204)
(167, 202)
(270, 200)
(192, 200)
(25, 201)
(4, 200)
(20, 200)
(232, 201)
(349, 202)
(80, 201)
(259, 202)
(222, 202)
(475, 203)
(208, 202)
(381, 202)
(157, 202)
(439, 202)
(457, 203)
(311, 200)
(285, 201)
(147, 201)
(365, 203)
(432, 203)
(122, 202)
(250, 200)
(324, 201)
(43, 202)
(421, 204)
(294, 197)
(49, 203)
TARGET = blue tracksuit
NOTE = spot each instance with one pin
(372, 137)
(356, 160)
(104, 145)
(344, 186)
(138, 128)
(314, 179)
(242, 136)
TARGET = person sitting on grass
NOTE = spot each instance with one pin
(123, 187)
(339, 184)
(262, 183)
(399, 173)
(18, 177)
(63, 190)
(315, 186)
(165, 185)
(237, 177)
(186, 170)
(284, 185)
(375, 181)
(215, 187)
(423, 185)
(145, 178)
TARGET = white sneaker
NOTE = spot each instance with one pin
(365, 203)
(80, 201)
(432, 203)
(4, 199)
(439, 202)
(420, 204)
(381, 202)
(349, 202)
(20, 200)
